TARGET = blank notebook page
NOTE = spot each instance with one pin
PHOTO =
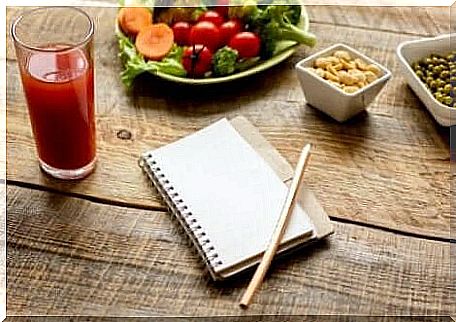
(232, 192)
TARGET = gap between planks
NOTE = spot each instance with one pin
(105, 201)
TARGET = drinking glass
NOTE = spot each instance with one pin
(54, 49)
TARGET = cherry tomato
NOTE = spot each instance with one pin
(222, 7)
(211, 16)
(246, 43)
(197, 60)
(205, 33)
(181, 32)
(229, 29)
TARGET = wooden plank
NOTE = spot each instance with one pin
(366, 190)
(258, 318)
(388, 167)
(424, 21)
(71, 257)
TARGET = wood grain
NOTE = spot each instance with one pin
(387, 167)
(72, 257)
(423, 21)
(256, 318)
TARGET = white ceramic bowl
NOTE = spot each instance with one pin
(412, 51)
(330, 99)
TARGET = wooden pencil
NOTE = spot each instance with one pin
(279, 230)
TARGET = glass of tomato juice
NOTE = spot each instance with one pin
(54, 49)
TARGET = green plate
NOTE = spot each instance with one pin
(287, 49)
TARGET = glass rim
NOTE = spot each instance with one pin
(86, 38)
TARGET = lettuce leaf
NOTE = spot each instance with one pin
(135, 64)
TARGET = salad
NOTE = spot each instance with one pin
(204, 41)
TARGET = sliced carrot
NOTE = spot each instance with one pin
(155, 41)
(133, 19)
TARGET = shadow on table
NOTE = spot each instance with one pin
(281, 263)
(350, 136)
(358, 120)
(442, 131)
(365, 125)
(214, 98)
(149, 85)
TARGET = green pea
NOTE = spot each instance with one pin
(438, 74)
(437, 69)
(447, 100)
(444, 74)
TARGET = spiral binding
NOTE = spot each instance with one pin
(180, 211)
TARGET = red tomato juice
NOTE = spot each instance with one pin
(59, 87)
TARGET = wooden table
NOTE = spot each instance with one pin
(106, 245)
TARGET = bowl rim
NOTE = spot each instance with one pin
(409, 69)
(385, 77)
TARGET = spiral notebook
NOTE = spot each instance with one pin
(226, 185)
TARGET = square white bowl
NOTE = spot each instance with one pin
(412, 51)
(330, 99)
